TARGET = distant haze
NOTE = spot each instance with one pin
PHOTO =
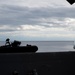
(32, 20)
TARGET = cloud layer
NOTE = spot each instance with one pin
(17, 15)
(36, 18)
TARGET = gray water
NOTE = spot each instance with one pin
(49, 46)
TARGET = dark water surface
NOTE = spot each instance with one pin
(53, 61)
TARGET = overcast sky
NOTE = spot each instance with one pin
(37, 20)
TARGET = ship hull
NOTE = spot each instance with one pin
(21, 49)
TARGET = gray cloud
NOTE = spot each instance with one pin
(18, 15)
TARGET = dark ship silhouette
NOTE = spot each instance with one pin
(74, 47)
(15, 47)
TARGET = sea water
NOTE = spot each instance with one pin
(49, 46)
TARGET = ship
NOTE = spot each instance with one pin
(15, 47)
(74, 47)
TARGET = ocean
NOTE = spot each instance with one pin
(49, 46)
(62, 63)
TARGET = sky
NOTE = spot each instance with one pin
(37, 20)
